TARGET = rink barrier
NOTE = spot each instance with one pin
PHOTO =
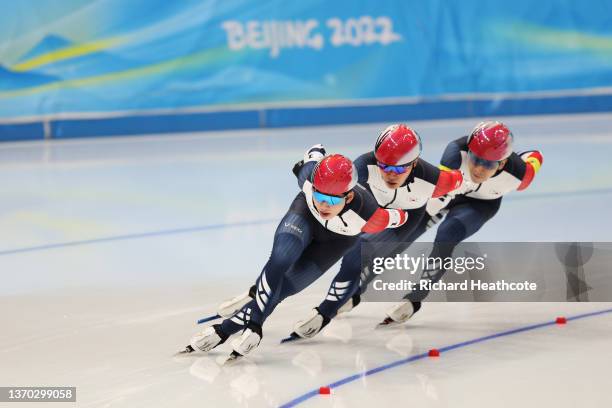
(16, 132)
(306, 396)
(147, 123)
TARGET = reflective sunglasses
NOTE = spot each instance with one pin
(327, 198)
(487, 164)
(395, 169)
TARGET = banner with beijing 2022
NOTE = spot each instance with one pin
(111, 55)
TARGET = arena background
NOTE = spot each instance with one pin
(80, 68)
(111, 248)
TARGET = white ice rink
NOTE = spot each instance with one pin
(111, 249)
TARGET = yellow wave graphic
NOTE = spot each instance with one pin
(558, 39)
(73, 51)
(204, 57)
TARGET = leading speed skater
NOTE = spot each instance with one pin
(324, 221)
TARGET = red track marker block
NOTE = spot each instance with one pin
(324, 391)
(434, 353)
(561, 320)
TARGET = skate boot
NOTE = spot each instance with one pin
(207, 339)
(309, 327)
(350, 304)
(247, 342)
(401, 312)
(231, 307)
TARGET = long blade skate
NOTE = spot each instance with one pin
(188, 349)
(233, 358)
(292, 337)
(208, 319)
(400, 313)
(387, 322)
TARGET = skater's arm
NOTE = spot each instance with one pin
(376, 218)
(361, 164)
(533, 161)
(448, 181)
(451, 158)
(385, 218)
(303, 169)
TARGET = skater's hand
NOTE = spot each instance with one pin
(533, 161)
(397, 218)
(315, 153)
(385, 218)
(448, 181)
(533, 157)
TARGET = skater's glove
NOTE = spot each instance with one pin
(315, 153)
(385, 218)
(533, 161)
(297, 167)
(448, 181)
(533, 157)
(397, 218)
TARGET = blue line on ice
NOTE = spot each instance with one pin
(302, 398)
(201, 228)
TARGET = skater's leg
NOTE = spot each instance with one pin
(345, 283)
(462, 221)
(315, 261)
(465, 217)
(395, 242)
(352, 279)
(292, 236)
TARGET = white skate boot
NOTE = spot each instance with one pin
(350, 304)
(247, 342)
(309, 327)
(207, 339)
(401, 312)
(231, 307)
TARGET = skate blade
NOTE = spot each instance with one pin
(233, 358)
(387, 322)
(292, 337)
(208, 319)
(187, 350)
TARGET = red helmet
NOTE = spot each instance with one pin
(491, 141)
(397, 145)
(334, 175)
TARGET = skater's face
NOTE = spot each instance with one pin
(480, 173)
(392, 179)
(327, 211)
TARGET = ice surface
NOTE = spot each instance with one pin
(110, 249)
